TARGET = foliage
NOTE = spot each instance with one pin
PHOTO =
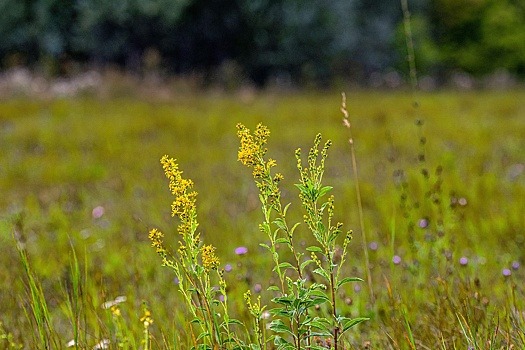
(479, 36)
(297, 296)
(283, 41)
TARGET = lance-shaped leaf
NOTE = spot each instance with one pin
(347, 280)
(278, 326)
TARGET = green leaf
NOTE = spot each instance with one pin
(282, 344)
(347, 280)
(278, 326)
(196, 320)
(286, 265)
(235, 321)
(264, 246)
(321, 324)
(285, 210)
(281, 312)
(317, 289)
(321, 228)
(353, 322)
(280, 223)
(202, 335)
(315, 249)
(292, 230)
(273, 288)
(314, 302)
(318, 347)
(302, 188)
(322, 272)
(283, 300)
(306, 263)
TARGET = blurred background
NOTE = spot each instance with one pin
(466, 43)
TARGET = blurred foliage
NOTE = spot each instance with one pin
(284, 40)
(479, 36)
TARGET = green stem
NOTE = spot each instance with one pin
(334, 310)
(364, 243)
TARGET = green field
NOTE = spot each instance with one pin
(81, 177)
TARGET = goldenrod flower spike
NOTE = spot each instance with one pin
(209, 260)
(251, 150)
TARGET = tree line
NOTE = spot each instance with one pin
(302, 41)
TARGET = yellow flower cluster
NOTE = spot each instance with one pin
(185, 209)
(184, 204)
(209, 259)
(147, 320)
(155, 236)
(255, 309)
(251, 152)
(252, 148)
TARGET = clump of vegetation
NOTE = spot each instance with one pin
(294, 321)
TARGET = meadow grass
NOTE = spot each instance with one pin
(443, 203)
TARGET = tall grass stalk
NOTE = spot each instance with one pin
(39, 313)
(364, 241)
(75, 300)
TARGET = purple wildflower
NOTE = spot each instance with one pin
(241, 250)
(423, 223)
(515, 265)
(228, 268)
(396, 259)
(97, 212)
(373, 245)
(506, 272)
(463, 261)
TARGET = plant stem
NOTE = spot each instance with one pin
(364, 243)
(334, 310)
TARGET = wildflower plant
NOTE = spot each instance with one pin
(195, 266)
(294, 321)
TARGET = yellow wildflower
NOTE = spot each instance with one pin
(278, 177)
(255, 309)
(115, 311)
(209, 259)
(147, 320)
(155, 237)
(251, 149)
(258, 171)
